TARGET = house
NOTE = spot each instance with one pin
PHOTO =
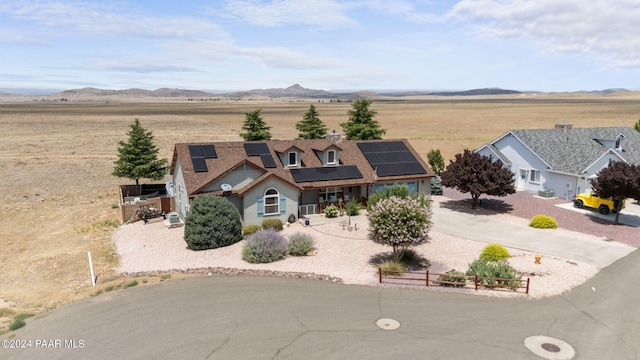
(560, 161)
(287, 179)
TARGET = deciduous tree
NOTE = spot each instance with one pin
(138, 158)
(361, 124)
(400, 222)
(619, 180)
(476, 174)
(255, 128)
(311, 127)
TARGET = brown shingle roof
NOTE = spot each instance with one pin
(232, 154)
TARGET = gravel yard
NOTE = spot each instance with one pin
(345, 255)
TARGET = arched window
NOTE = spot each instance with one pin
(271, 202)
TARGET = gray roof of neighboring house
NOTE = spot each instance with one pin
(572, 151)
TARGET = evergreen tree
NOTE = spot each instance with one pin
(477, 174)
(212, 222)
(311, 127)
(361, 125)
(138, 158)
(637, 125)
(436, 161)
(255, 128)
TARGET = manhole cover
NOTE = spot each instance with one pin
(388, 324)
(549, 348)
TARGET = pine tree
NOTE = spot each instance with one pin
(477, 174)
(436, 161)
(255, 128)
(311, 127)
(637, 126)
(361, 125)
(138, 158)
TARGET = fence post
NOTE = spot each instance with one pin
(427, 278)
(476, 282)
(380, 274)
(528, 285)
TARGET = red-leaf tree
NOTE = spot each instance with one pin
(476, 174)
(619, 180)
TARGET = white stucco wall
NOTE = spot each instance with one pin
(523, 159)
(237, 178)
(180, 191)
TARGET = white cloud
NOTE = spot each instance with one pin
(607, 29)
(83, 18)
(321, 13)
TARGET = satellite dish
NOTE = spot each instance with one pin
(226, 187)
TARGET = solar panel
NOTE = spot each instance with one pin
(199, 164)
(326, 173)
(202, 151)
(267, 161)
(256, 149)
(391, 158)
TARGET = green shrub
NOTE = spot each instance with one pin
(265, 246)
(353, 208)
(453, 277)
(397, 190)
(494, 252)
(300, 244)
(391, 268)
(489, 269)
(212, 222)
(542, 221)
(331, 211)
(250, 229)
(275, 224)
(18, 321)
(130, 284)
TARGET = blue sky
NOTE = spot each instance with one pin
(541, 45)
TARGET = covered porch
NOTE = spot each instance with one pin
(314, 201)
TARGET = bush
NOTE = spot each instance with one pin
(265, 246)
(453, 277)
(300, 244)
(397, 190)
(411, 259)
(18, 321)
(212, 222)
(331, 211)
(542, 221)
(275, 224)
(391, 268)
(489, 269)
(494, 252)
(352, 208)
(250, 230)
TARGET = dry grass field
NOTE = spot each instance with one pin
(56, 159)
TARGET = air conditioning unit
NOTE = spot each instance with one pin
(174, 218)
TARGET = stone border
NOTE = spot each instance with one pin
(235, 272)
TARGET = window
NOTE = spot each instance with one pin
(271, 202)
(535, 176)
(331, 157)
(523, 174)
(293, 159)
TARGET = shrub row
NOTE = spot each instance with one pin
(268, 245)
(275, 224)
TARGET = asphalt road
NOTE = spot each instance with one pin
(279, 318)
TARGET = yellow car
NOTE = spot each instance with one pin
(592, 200)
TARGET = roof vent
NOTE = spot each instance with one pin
(564, 126)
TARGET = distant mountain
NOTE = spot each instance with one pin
(293, 91)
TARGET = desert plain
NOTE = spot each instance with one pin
(59, 199)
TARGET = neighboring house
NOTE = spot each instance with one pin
(561, 161)
(286, 179)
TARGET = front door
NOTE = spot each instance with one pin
(522, 178)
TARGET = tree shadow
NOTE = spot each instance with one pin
(622, 221)
(486, 206)
(415, 262)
